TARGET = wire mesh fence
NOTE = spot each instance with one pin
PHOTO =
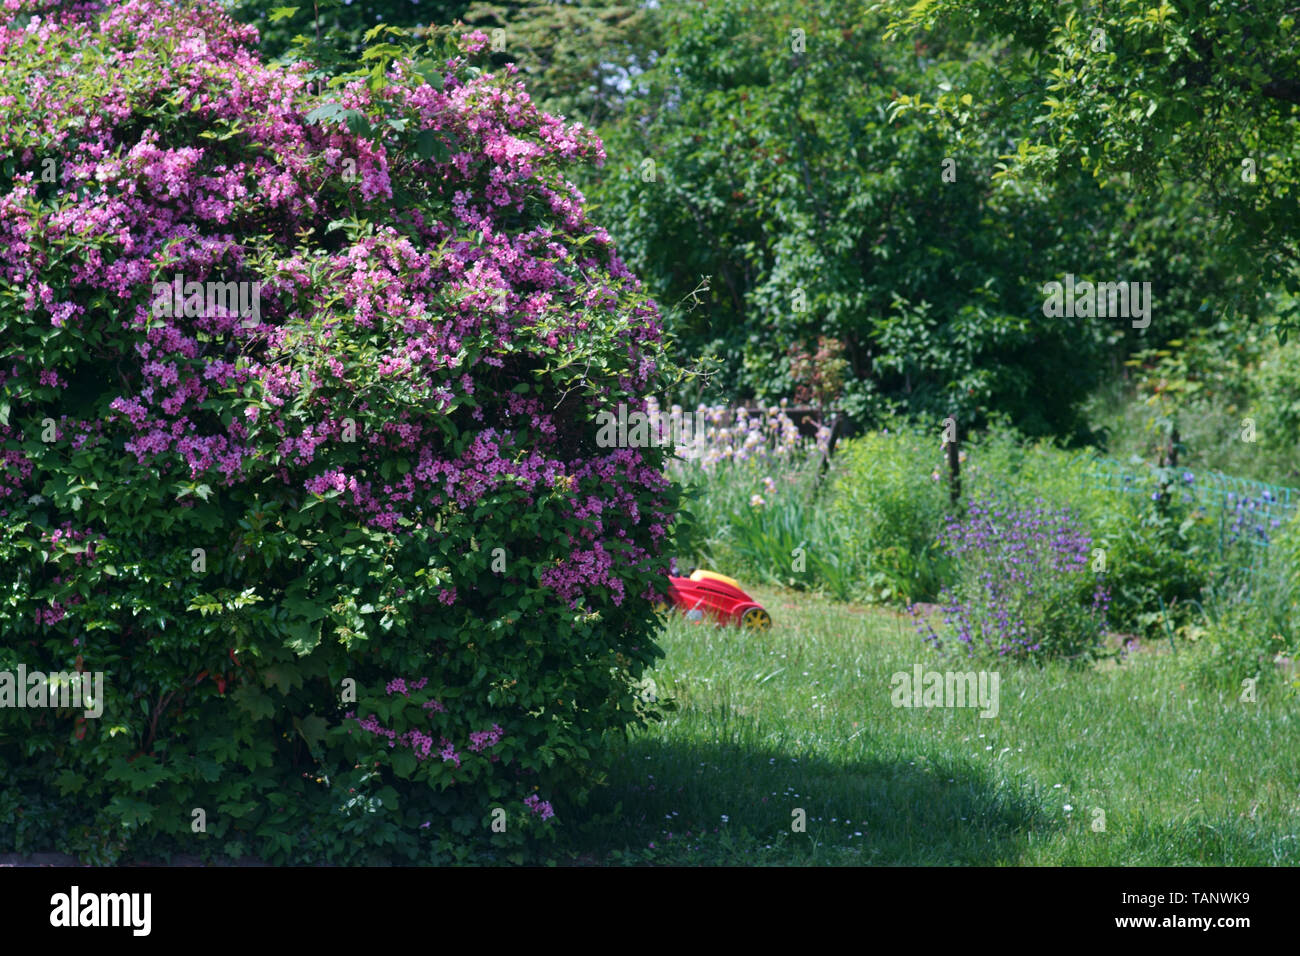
(1241, 511)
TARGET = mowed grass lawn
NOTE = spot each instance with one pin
(801, 718)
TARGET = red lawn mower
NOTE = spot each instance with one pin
(720, 597)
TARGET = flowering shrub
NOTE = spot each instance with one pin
(339, 536)
(1024, 586)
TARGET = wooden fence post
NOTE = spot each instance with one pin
(951, 446)
(1166, 462)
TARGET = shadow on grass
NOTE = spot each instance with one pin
(729, 804)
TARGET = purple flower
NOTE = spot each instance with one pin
(1022, 572)
(539, 806)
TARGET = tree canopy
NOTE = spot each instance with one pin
(1202, 96)
(765, 150)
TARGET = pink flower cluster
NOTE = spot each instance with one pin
(500, 269)
(398, 684)
(62, 537)
(50, 615)
(448, 752)
(539, 806)
(420, 743)
(482, 740)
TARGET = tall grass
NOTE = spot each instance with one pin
(891, 500)
(1248, 629)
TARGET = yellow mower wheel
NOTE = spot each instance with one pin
(756, 619)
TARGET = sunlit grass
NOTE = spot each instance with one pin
(801, 718)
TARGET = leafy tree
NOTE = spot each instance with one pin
(577, 59)
(763, 151)
(335, 25)
(1201, 97)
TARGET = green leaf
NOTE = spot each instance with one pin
(381, 50)
(312, 729)
(304, 637)
(141, 774)
(424, 143)
(281, 13)
(285, 676)
(325, 113)
(68, 782)
(431, 72)
(358, 123)
(403, 763)
(132, 812)
(253, 702)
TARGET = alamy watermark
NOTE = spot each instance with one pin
(75, 908)
(60, 690)
(1122, 300)
(683, 431)
(177, 299)
(946, 689)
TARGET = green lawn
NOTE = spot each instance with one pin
(801, 717)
